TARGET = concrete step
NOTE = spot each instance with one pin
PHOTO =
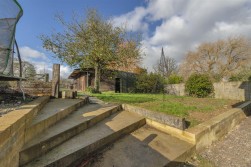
(53, 111)
(74, 150)
(95, 100)
(146, 147)
(85, 117)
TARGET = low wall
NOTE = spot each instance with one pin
(222, 90)
(173, 121)
(233, 90)
(34, 88)
(12, 129)
(176, 89)
(212, 130)
(206, 133)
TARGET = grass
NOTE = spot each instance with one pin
(174, 108)
(195, 110)
(124, 98)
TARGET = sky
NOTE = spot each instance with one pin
(176, 25)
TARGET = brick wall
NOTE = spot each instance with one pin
(34, 88)
(37, 88)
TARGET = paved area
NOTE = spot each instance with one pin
(234, 150)
(90, 140)
(145, 147)
(54, 106)
(82, 114)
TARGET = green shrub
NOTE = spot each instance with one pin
(149, 83)
(174, 79)
(91, 90)
(199, 85)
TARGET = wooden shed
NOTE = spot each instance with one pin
(111, 80)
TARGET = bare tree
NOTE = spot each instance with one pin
(165, 65)
(219, 59)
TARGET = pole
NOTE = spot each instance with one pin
(55, 80)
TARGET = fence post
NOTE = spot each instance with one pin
(55, 80)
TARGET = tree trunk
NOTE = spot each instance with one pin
(97, 78)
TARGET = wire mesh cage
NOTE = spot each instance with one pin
(10, 13)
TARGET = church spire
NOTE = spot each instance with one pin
(162, 62)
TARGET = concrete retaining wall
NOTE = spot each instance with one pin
(176, 89)
(212, 130)
(170, 120)
(206, 133)
(233, 90)
(222, 90)
(12, 129)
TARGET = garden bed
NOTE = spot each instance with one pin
(194, 110)
(12, 101)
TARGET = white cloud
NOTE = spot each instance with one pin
(29, 53)
(224, 29)
(42, 67)
(42, 63)
(164, 9)
(168, 31)
(132, 20)
(184, 24)
(65, 71)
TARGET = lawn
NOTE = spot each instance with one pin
(195, 110)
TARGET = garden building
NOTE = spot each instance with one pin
(111, 80)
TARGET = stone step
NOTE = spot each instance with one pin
(89, 141)
(85, 117)
(146, 147)
(53, 111)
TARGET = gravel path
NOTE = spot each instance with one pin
(234, 150)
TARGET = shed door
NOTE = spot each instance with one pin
(117, 85)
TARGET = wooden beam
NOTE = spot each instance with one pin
(55, 80)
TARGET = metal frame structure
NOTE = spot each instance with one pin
(12, 43)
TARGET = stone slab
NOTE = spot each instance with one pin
(85, 117)
(91, 140)
(53, 111)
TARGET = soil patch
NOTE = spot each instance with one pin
(12, 101)
(204, 116)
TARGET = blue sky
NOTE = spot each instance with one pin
(176, 25)
(39, 15)
(39, 18)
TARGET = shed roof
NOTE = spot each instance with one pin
(78, 71)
